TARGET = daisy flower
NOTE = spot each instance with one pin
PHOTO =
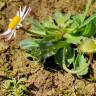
(15, 23)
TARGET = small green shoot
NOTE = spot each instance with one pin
(14, 87)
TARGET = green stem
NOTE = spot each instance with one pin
(86, 9)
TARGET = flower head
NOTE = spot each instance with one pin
(15, 23)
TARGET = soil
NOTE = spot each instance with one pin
(14, 62)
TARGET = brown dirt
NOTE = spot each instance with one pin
(14, 61)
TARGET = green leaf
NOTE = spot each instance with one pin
(88, 20)
(51, 48)
(53, 35)
(77, 18)
(68, 23)
(60, 18)
(73, 39)
(49, 24)
(79, 63)
(88, 29)
(37, 28)
(67, 54)
(58, 57)
(46, 49)
(29, 43)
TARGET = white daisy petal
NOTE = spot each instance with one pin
(14, 33)
(20, 11)
(28, 10)
(7, 32)
(10, 36)
(23, 11)
(17, 13)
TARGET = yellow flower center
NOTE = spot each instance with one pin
(14, 22)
